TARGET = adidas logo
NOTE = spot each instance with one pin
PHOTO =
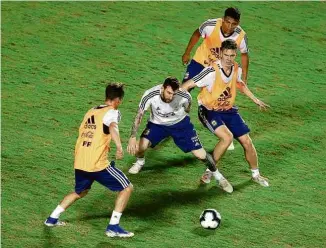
(225, 95)
(90, 123)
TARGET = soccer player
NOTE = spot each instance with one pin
(99, 126)
(169, 118)
(214, 32)
(217, 112)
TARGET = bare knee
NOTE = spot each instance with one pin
(200, 153)
(247, 144)
(227, 137)
(82, 194)
(129, 189)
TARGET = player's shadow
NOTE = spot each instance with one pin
(203, 232)
(108, 245)
(160, 165)
(242, 185)
(151, 204)
(50, 240)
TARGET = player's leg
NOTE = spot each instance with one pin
(225, 138)
(240, 131)
(211, 166)
(151, 136)
(84, 181)
(213, 122)
(140, 156)
(115, 180)
(252, 159)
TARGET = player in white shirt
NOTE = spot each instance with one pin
(169, 118)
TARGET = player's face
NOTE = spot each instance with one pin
(228, 57)
(228, 25)
(168, 94)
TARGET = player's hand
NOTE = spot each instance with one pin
(132, 147)
(261, 104)
(119, 153)
(185, 58)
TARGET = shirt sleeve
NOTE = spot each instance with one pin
(112, 115)
(187, 100)
(244, 45)
(207, 28)
(145, 101)
(205, 78)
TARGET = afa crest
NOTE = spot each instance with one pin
(146, 131)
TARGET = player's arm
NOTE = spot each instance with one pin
(144, 104)
(192, 42)
(245, 66)
(132, 144)
(244, 58)
(203, 79)
(204, 31)
(115, 135)
(187, 102)
(188, 85)
(242, 86)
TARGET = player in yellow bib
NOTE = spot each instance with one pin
(99, 126)
(214, 32)
(217, 112)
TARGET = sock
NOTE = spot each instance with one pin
(115, 218)
(57, 211)
(255, 172)
(141, 160)
(218, 176)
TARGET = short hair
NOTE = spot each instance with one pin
(114, 90)
(229, 45)
(172, 82)
(233, 13)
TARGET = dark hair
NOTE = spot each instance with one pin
(229, 45)
(233, 13)
(172, 82)
(114, 90)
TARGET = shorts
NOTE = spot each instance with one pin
(111, 177)
(230, 118)
(193, 69)
(183, 133)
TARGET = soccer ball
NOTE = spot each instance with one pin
(210, 219)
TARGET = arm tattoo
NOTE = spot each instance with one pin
(137, 122)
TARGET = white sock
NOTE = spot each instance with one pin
(141, 160)
(115, 218)
(57, 211)
(217, 175)
(255, 172)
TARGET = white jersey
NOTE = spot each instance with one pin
(208, 26)
(163, 113)
(206, 77)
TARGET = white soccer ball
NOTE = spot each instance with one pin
(210, 219)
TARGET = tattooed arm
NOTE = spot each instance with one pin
(132, 144)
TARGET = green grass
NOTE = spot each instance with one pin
(56, 57)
